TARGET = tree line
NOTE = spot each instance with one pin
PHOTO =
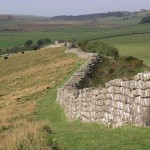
(28, 45)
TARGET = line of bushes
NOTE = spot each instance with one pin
(28, 45)
(99, 47)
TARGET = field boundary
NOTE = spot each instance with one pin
(118, 35)
(120, 102)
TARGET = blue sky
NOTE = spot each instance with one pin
(69, 7)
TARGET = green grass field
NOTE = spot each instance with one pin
(9, 39)
(137, 45)
(83, 136)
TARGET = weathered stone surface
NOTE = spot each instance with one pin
(121, 102)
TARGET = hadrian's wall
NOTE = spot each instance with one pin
(120, 102)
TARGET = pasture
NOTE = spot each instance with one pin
(9, 39)
(24, 81)
(137, 45)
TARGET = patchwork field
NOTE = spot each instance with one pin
(24, 80)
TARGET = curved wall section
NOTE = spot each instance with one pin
(120, 102)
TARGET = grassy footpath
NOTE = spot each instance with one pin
(83, 136)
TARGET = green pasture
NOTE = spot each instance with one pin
(9, 39)
(137, 45)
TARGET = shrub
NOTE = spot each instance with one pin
(28, 43)
(46, 41)
(40, 42)
(99, 47)
(130, 58)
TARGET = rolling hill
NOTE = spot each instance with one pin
(24, 81)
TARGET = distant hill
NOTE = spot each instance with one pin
(141, 13)
(24, 23)
(91, 16)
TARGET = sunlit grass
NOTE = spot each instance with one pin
(24, 80)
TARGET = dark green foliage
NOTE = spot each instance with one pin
(40, 42)
(46, 41)
(28, 43)
(99, 47)
(145, 19)
(124, 67)
(130, 58)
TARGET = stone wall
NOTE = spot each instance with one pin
(120, 102)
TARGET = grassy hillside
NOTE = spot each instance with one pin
(32, 119)
(24, 81)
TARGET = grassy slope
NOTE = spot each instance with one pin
(24, 80)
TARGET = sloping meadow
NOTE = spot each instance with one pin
(24, 80)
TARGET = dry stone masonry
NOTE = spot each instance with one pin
(120, 102)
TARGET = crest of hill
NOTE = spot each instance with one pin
(140, 13)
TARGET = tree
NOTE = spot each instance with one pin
(40, 42)
(46, 41)
(28, 43)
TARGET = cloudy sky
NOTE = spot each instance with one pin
(69, 7)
